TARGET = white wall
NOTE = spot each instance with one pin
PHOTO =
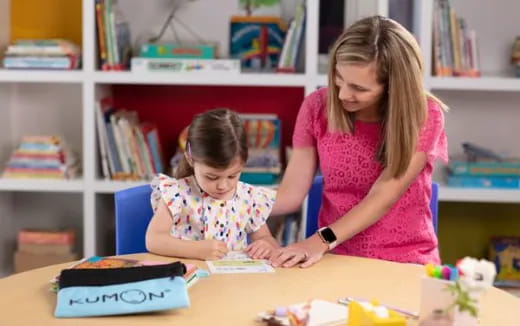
(490, 119)
(53, 109)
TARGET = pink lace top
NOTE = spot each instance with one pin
(349, 168)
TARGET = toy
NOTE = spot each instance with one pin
(373, 314)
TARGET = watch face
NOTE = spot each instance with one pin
(328, 235)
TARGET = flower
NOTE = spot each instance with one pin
(475, 277)
(476, 274)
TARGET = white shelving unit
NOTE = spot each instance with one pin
(482, 110)
(64, 103)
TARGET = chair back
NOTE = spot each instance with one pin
(313, 203)
(133, 213)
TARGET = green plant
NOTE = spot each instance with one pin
(463, 301)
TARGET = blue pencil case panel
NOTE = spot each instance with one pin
(126, 298)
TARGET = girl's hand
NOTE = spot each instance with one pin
(306, 252)
(260, 249)
(211, 249)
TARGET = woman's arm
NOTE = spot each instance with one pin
(382, 195)
(296, 181)
(160, 242)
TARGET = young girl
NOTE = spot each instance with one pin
(375, 133)
(205, 211)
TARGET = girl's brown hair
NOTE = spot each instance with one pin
(215, 138)
(399, 67)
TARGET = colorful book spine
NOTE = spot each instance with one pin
(178, 51)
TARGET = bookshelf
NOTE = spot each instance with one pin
(63, 102)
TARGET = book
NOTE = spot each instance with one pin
(178, 51)
(293, 39)
(263, 165)
(256, 41)
(173, 65)
(508, 168)
(40, 62)
(42, 47)
(484, 182)
(191, 276)
(56, 237)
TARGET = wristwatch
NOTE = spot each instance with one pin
(328, 237)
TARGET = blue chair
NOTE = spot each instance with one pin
(314, 204)
(133, 213)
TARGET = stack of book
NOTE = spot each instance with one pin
(177, 57)
(42, 54)
(264, 140)
(129, 150)
(484, 174)
(455, 49)
(38, 248)
(41, 157)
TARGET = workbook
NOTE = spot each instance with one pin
(236, 262)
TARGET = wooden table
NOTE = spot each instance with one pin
(235, 299)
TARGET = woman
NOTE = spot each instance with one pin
(375, 133)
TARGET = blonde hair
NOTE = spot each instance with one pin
(399, 68)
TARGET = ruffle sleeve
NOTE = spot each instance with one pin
(432, 139)
(262, 200)
(166, 189)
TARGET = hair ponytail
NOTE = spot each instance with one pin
(184, 169)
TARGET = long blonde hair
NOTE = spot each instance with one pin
(399, 66)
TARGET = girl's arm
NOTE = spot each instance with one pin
(159, 241)
(382, 195)
(262, 243)
(263, 233)
(296, 181)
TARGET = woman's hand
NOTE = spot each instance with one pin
(211, 249)
(261, 249)
(306, 252)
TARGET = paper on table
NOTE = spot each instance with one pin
(238, 262)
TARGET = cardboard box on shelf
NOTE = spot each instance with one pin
(24, 261)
